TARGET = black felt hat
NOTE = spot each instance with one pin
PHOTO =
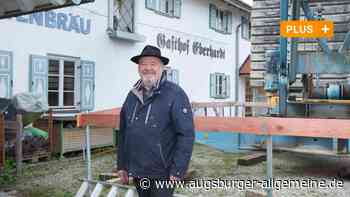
(150, 51)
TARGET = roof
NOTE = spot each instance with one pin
(240, 5)
(13, 8)
(245, 68)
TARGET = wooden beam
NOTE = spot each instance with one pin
(324, 101)
(19, 151)
(99, 120)
(327, 128)
(229, 104)
(50, 130)
(251, 159)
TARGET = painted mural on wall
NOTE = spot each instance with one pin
(58, 20)
(176, 43)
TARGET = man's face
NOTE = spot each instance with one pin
(150, 70)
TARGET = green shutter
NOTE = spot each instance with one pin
(5, 74)
(87, 85)
(228, 86)
(212, 16)
(229, 22)
(39, 76)
(245, 28)
(212, 85)
(177, 8)
(151, 4)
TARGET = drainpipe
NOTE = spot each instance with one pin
(237, 67)
(110, 9)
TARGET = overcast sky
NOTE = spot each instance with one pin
(250, 2)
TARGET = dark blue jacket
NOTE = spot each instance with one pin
(156, 136)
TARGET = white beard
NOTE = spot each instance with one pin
(149, 81)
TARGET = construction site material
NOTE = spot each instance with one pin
(19, 150)
(266, 126)
(30, 105)
(36, 132)
(21, 145)
(115, 189)
(251, 159)
(251, 193)
(265, 20)
(73, 139)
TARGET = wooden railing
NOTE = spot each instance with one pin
(220, 108)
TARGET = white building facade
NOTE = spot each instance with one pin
(78, 58)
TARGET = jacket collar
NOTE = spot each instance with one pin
(137, 88)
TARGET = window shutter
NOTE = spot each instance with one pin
(212, 16)
(5, 74)
(87, 85)
(39, 76)
(223, 86)
(177, 8)
(225, 22)
(229, 22)
(228, 86)
(151, 4)
(162, 6)
(212, 85)
(245, 28)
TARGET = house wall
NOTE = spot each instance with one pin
(115, 73)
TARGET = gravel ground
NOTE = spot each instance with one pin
(61, 177)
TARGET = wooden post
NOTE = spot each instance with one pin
(19, 152)
(2, 140)
(50, 125)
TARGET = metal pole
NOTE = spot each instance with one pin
(237, 68)
(88, 153)
(269, 164)
(283, 81)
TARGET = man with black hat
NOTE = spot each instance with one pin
(156, 133)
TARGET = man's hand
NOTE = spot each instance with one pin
(123, 175)
(174, 178)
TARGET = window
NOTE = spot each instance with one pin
(171, 8)
(6, 74)
(220, 20)
(246, 28)
(62, 82)
(123, 16)
(219, 85)
(172, 75)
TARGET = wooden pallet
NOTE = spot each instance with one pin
(37, 156)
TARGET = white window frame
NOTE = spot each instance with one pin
(172, 72)
(222, 90)
(160, 8)
(223, 20)
(61, 60)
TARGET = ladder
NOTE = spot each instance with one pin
(116, 189)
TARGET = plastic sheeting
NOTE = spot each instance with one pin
(30, 105)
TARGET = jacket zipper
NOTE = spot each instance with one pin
(148, 111)
(134, 112)
(161, 155)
